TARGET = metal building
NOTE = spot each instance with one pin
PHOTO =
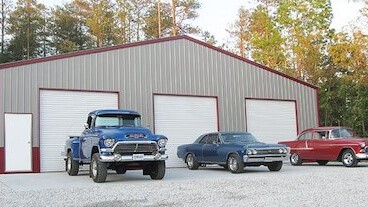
(181, 86)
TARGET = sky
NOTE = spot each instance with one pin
(216, 16)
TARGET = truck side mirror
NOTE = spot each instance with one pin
(86, 126)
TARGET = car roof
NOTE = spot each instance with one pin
(112, 111)
(326, 128)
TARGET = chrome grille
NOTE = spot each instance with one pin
(135, 148)
(267, 151)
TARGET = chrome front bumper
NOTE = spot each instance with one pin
(133, 158)
(264, 158)
(362, 156)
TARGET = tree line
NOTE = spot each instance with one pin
(294, 37)
(30, 30)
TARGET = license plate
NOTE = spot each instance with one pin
(266, 159)
(138, 156)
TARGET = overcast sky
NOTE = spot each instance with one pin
(215, 16)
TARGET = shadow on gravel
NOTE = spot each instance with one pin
(133, 202)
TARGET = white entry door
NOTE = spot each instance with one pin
(271, 120)
(183, 119)
(18, 144)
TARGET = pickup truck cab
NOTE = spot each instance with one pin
(115, 139)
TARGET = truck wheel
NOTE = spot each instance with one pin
(71, 166)
(98, 169)
(158, 170)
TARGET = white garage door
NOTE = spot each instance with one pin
(62, 114)
(183, 119)
(271, 121)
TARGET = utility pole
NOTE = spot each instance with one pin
(159, 17)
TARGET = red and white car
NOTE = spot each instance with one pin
(323, 144)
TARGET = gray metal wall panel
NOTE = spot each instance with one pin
(175, 67)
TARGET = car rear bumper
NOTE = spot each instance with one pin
(247, 159)
(133, 158)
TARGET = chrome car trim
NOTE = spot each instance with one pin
(361, 156)
(133, 142)
(129, 158)
(269, 158)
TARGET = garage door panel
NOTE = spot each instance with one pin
(183, 119)
(270, 120)
(62, 114)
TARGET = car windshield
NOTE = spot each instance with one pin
(238, 138)
(342, 133)
(127, 120)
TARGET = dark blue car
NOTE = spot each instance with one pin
(233, 151)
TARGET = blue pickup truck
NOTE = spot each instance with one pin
(116, 140)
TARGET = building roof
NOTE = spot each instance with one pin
(135, 44)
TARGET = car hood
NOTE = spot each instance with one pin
(127, 133)
(258, 145)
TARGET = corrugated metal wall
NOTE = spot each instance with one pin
(173, 67)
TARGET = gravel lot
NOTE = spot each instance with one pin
(307, 185)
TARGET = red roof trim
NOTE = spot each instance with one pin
(104, 49)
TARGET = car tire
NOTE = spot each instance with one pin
(295, 159)
(98, 169)
(191, 161)
(322, 162)
(348, 158)
(158, 170)
(235, 163)
(120, 170)
(275, 166)
(71, 166)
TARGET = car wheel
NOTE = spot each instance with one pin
(275, 166)
(348, 158)
(98, 169)
(71, 166)
(295, 159)
(322, 162)
(158, 170)
(120, 170)
(235, 164)
(191, 162)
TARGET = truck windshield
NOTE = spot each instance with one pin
(127, 120)
(238, 138)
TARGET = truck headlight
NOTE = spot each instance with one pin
(162, 142)
(109, 142)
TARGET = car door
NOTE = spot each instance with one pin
(197, 149)
(319, 145)
(302, 145)
(210, 154)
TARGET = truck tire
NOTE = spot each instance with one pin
(71, 166)
(98, 169)
(158, 170)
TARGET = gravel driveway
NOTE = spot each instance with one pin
(307, 185)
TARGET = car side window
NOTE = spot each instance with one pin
(203, 140)
(213, 139)
(305, 136)
(319, 135)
